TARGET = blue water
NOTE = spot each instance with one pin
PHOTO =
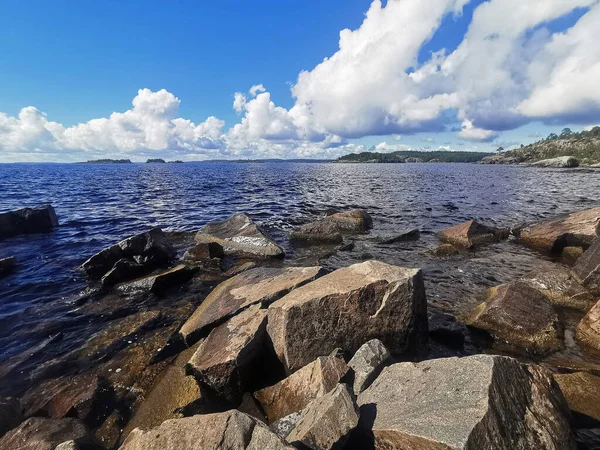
(98, 205)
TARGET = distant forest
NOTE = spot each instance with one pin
(404, 156)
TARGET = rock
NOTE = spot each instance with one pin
(560, 162)
(161, 281)
(7, 265)
(588, 267)
(588, 330)
(578, 229)
(444, 329)
(69, 445)
(477, 402)
(331, 229)
(571, 254)
(582, 391)
(296, 391)
(230, 430)
(39, 219)
(520, 315)
(472, 234)
(225, 358)
(39, 433)
(347, 308)
(284, 426)
(150, 249)
(260, 285)
(367, 362)
(327, 421)
(10, 414)
(444, 250)
(250, 406)
(412, 235)
(124, 269)
(240, 236)
(204, 251)
(353, 221)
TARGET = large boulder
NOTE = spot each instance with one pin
(562, 162)
(520, 315)
(588, 267)
(40, 433)
(230, 430)
(588, 330)
(240, 236)
(582, 391)
(10, 414)
(327, 422)
(471, 234)
(367, 362)
(149, 249)
(39, 219)
(348, 307)
(295, 392)
(578, 229)
(331, 229)
(225, 358)
(478, 402)
(260, 285)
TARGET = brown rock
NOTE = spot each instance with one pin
(39, 433)
(224, 359)
(240, 236)
(204, 251)
(69, 445)
(571, 254)
(477, 402)
(520, 315)
(588, 267)
(331, 229)
(355, 220)
(582, 391)
(588, 330)
(471, 234)
(327, 421)
(299, 389)
(10, 414)
(444, 250)
(347, 308)
(161, 281)
(576, 229)
(230, 430)
(39, 219)
(259, 285)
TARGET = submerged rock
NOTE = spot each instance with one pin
(559, 162)
(7, 265)
(347, 308)
(353, 221)
(477, 402)
(240, 236)
(472, 234)
(259, 285)
(444, 250)
(520, 315)
(39, 433)
(327, 421)
(331, 229)
(39, 219)
(295, 392)
(411, 235)
(161, 281)
(578, 229)
(588, 330)
(367, 362)
(10, 414)
(230, 430)
(588, 267)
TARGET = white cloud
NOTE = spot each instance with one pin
(256, 89)
(473, 133)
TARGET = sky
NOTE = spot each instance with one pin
(238, 79)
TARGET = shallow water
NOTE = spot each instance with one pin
(98, 205)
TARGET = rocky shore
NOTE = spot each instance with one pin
(214, 340)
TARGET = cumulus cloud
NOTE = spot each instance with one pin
(472, 133)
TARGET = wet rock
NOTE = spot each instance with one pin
(412, 235)
(331, 229)
(472, 234)
(354, 221)
(562, 162)
(39, 433)
(571, 254)
(582, 391)
(7, 265)
(588, 267)
(124, 269)
(284, 426)
(296, 391)
(327, 421)
(258, 285)
(161, 281)
(578, 229)
(240, 236)
(150, 249)
(588, 330)
(224, 359)
(520, 315)
(69, 445)
(204, 251)
(39, 219)
(346, 308)
(10, 414)
(367, 363)
(230, 430)
(477, 402)
(561, 288)
(444, 329)
(444, 250)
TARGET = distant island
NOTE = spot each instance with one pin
(107, 161)
(410, 156)
(156, 161)
(583, 146)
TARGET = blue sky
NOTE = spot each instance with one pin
(410, 74)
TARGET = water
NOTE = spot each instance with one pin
(98, 205)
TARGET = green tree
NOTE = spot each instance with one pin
(552, 136)
(499, 149)
(566, 132)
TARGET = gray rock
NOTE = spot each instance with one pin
(411, 235)
(327, 421)
(39, 433)
(161, 281)
(367, 363)
(588, 267)
(284, 426)
(124, 269)
(7, 265)
(478, 402)
(39, 219)
(347, 308)
(230, 430)
(10, 414)
(559, 162)
(240, 236)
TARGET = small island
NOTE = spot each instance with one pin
(411, 156)
(107, 161)
(156, 161)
